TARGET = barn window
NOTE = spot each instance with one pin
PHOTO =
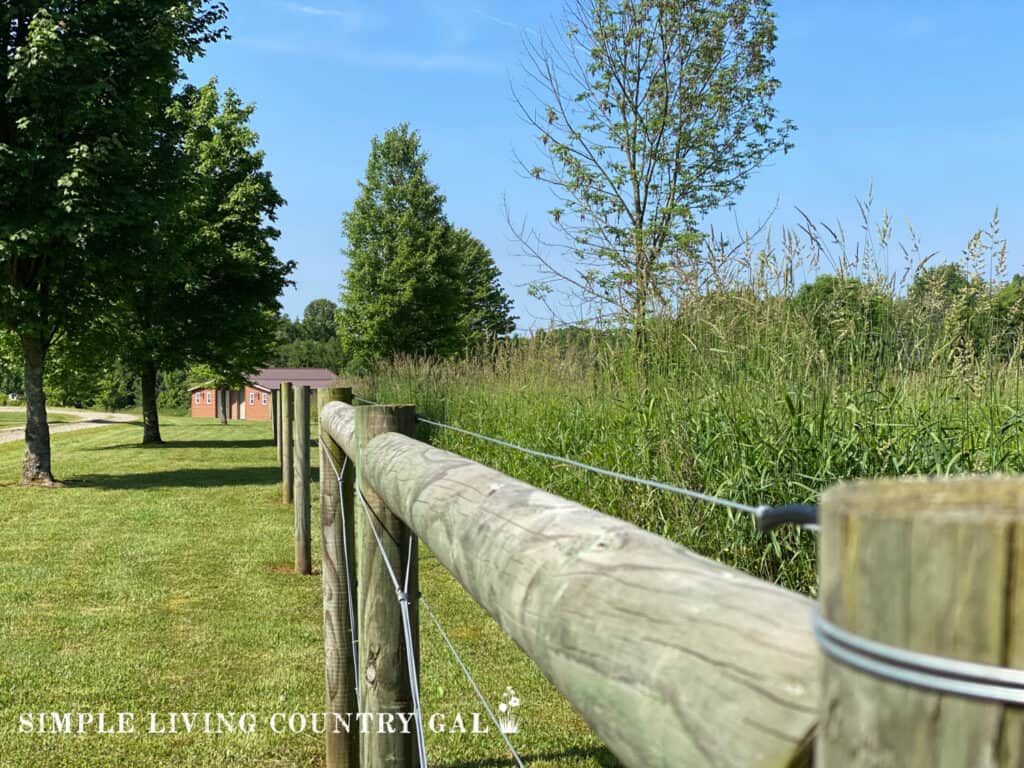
(263, 398)
(252, 398)
(199, 398)
(209, 398)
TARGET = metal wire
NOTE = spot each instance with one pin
(599, 470)
(403, 602)
(920, 670)
(765, 517)
(353, 630)
(380, 544)
(472, 682)
(410, 656)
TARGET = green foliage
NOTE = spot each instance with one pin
(220, 304)
(11, 366)
(68, 167)
(486, 310)
(756, 390)
(851, 320)
(82, 89)
(320, 320)
(414, 284)
(1009, 323)
(173, 391)
(400, 289)
(311, 342)
(652, 113)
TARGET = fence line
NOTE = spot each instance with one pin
(765, 516)
(571, 586)
(673, 659)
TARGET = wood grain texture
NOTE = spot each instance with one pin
(336, 515)
(673, 660)
(287, 420)
(384, 680)
(932, 565)
(339, 421)
(300, 492)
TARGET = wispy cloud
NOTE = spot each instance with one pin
(352, 17)
(504, 22)
(388, 60)
(312, 10)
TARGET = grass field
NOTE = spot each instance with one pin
(732, 402)
(159, 581)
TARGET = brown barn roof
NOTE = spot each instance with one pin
(272, 378)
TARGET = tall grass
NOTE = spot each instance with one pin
(757, 390)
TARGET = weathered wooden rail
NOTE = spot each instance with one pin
(673, 659)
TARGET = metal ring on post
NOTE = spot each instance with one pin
(920, 670)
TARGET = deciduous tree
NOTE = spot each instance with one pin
(486, 309)
(80, 83)
(400, 293)
(414, 284)
(649, 114)
(205, 286)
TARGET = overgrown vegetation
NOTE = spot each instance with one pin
(759, 387)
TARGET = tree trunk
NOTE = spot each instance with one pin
(225, 403)
(36, 468)
(150, 414)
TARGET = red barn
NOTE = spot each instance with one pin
(254, 401)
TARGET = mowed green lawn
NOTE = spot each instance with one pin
(159, 581)
(17, 418)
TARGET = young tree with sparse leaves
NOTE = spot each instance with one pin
(649, 114)
(80, 84)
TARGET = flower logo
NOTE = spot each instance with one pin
(508, 720)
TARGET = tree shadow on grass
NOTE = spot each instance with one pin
(181, 478)
(268, 443)
(600, 755)
(186, 478)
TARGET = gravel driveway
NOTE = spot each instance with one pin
(89, 420)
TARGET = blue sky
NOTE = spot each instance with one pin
(921, 99)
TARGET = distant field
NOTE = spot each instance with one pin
(159, 581)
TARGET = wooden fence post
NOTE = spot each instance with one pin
(276, 423)
(934, 566)
(300, 454)
(279, 416)
(384, 679)
(287, 469)
(336, 525)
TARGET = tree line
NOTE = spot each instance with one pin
(138, 216)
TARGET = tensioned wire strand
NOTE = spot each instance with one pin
(472, 682)
(403, 602)
(697, 495)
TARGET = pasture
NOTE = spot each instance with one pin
(160, 581)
